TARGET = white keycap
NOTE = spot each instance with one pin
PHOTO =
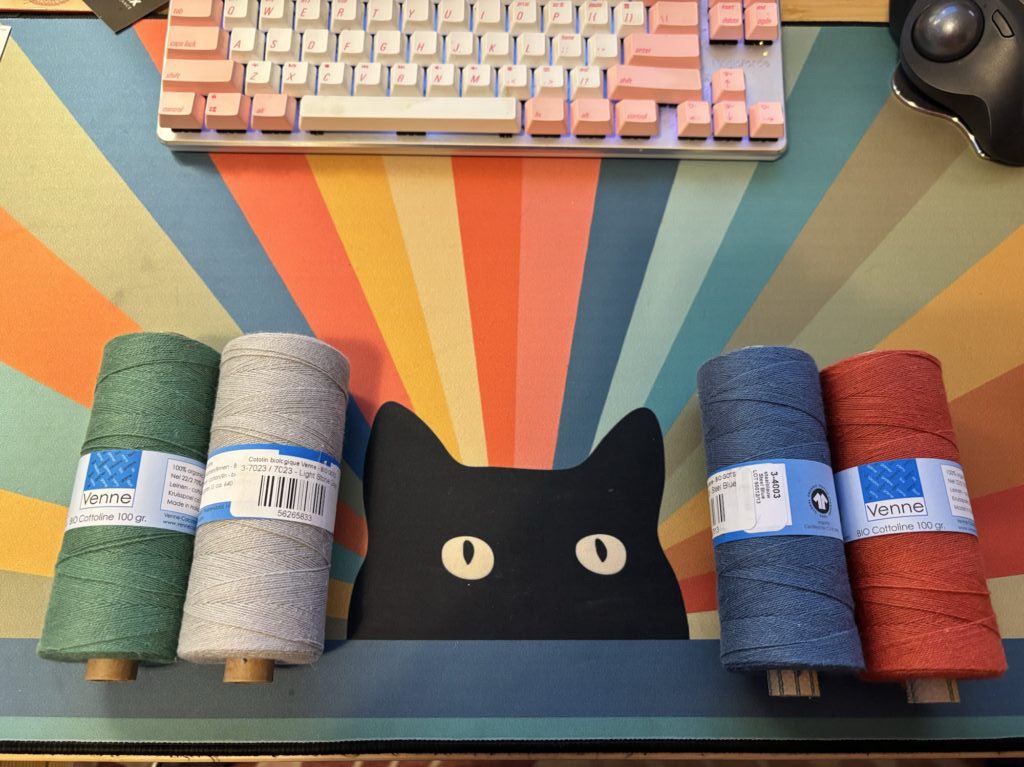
(532, 49)
(311, 14)
(370, 79)
(262, 77)
(478, 80)
(276, 14)
(353, 46)
(334, 79)
(496, 49)
(595, 17)
(567, 50)
(585, 83)
(523, 16)
(559, 16)
(448, 115)
(628, 18)
(319, 46)
(389, 47)
(282, 45)
(406, 80)
(425, 48)
(603, 50)
(460, 48)
(514, 81)
(488, 16)
(298, 78)
(417, 15)
(346, 14)
(247, 44)
(442, 80)
(549, 81)
(381, 14)
(452, 15)
(240, 13)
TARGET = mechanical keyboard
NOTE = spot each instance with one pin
(597, 78)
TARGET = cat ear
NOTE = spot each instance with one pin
(632, 455)
(403, 445)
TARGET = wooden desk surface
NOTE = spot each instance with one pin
(792, 10)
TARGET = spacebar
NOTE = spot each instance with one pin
(413, 114)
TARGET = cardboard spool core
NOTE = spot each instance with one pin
(793, 683)
(248, 671)
(932, 691)
(111, 670)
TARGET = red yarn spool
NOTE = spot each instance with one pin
(923, 607)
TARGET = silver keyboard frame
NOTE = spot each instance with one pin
(761, 63)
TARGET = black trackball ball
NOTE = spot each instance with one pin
(948, 30)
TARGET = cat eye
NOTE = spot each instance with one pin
(467, 557)
(601, 553)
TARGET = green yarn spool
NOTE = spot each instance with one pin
(118, 591)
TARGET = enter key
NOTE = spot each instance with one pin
(662, 50)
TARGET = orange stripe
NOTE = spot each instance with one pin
(350, 530)
(53, 324)
(489, 197)
(152, 33)
(987, 422)
(699, 593)
(1000, 520)
(558, 203)
(692, 556)
(282, 202)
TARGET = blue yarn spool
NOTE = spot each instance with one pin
(784, 601)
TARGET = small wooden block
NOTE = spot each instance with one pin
(932, 691)
(111, 670)
(248, 671)
(793, 684)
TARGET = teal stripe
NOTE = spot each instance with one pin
(345, 564)
(843, 86)
(41, 435)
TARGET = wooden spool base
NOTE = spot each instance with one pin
(111, 670)
(932, 691)
(248, 671)
(791, 683)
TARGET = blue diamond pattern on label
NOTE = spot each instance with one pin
(113, 470)
(892, 489)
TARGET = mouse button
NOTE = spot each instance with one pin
(1002, 24)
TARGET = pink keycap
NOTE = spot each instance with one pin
(196, 12)
(767, 121)
(730, 119)
(666, 86)
(762, 22)
(273, 112)
(693, 119)
(181, 111)
(545, 117)
(203, 76)
(228, 111)
(662, 50)
(592, 117)
(636, 118)
(728, 85)
(673, 17)
(725, 22)
(187, 42)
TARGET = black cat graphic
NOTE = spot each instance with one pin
(458, 552)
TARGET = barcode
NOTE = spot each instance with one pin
(291, 493)
(718, 509)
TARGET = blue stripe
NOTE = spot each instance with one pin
(111, 87)
(840, 91)
(345, 564)
(631, 198)
(357, 437)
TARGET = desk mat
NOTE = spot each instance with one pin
(520, 308)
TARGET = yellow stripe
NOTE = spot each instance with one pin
(78, 228)
(704, 625)
(424, 194)
(23, 600)
(356, 192)
(688, 520)
(30, 533)
(339, 597)
(1007, 598)
(976, 325)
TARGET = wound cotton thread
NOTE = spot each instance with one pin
(117, 590)
(923, 606)
(258, 589)
(784, 601)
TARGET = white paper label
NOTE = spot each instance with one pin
(271, 482)
(5, 34)
(136, 488)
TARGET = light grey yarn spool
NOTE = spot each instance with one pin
(258, 587)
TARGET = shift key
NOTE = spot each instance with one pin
(664, 85)
(202, 77)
